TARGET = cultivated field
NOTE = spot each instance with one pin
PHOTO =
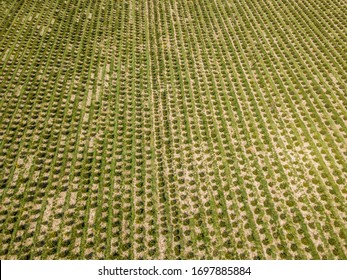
(173, 129)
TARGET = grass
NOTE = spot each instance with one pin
(173, 129)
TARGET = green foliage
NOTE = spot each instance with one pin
(173, 130)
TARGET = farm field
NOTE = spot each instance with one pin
(173, 129)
